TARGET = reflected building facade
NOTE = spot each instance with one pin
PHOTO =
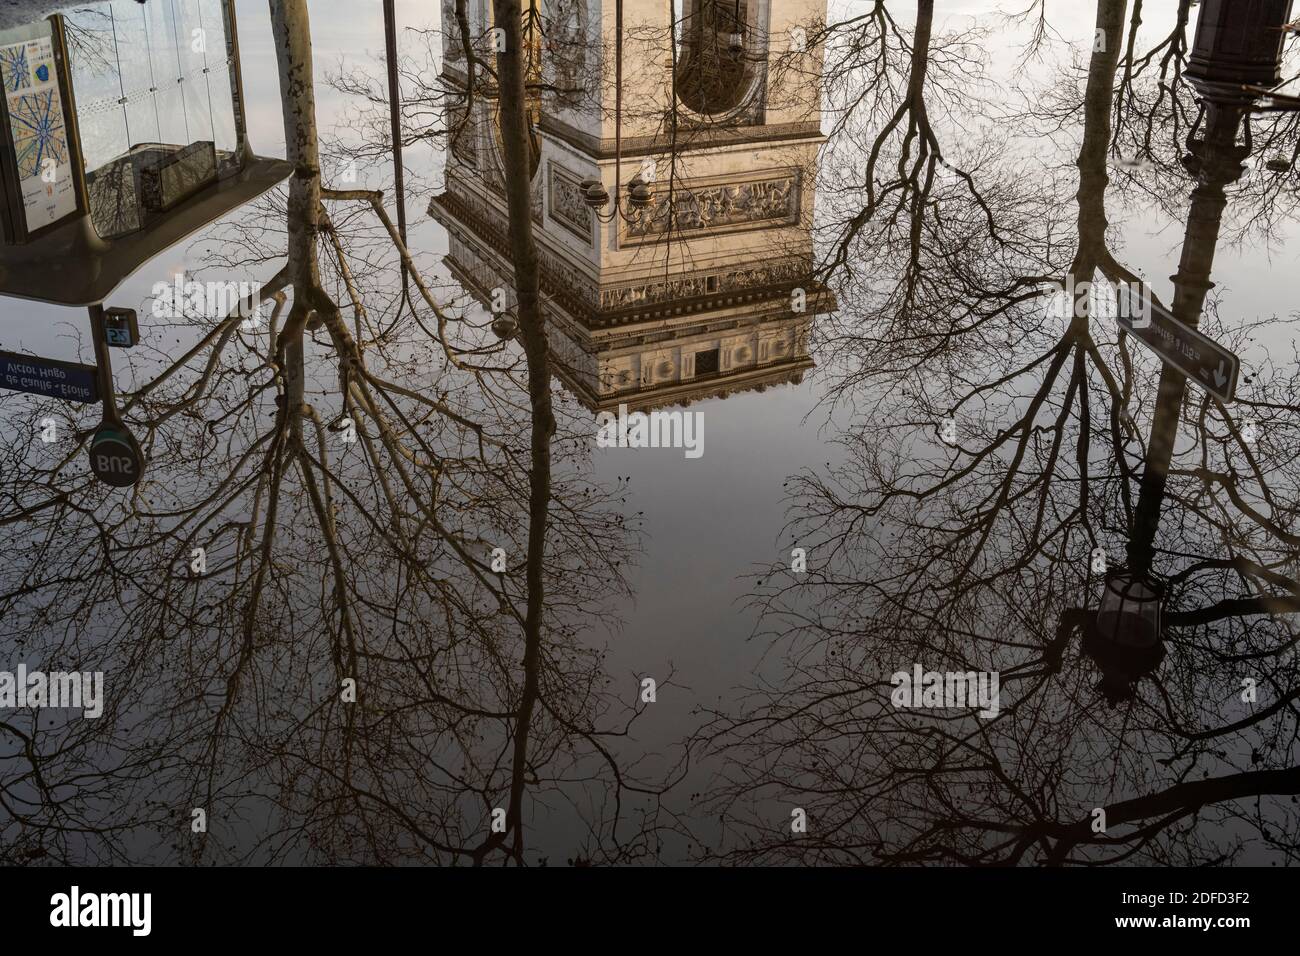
(703, 288)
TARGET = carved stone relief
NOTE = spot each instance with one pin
(700, 209)
(566, 204)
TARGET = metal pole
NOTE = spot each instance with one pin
(618, 105)
(1217, 160)
(103, 365)
(395, 123)
(1233, 49)
(115, 455)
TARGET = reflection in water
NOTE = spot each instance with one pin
(125, 132)
(355, 609)
(702, 282)
(1150, 723)
(315, 613)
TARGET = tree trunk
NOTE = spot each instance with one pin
(1098, 99)
(532, 332)
(291, 28)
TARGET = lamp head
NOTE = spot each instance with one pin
(504, 326)
(594, 193)
(639, 193)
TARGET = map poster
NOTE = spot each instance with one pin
(39, 135)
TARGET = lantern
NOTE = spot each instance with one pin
(505, 326)
(1124, 638)
(594, 194)
(1238, 44)
(639, 194)
(123, 132)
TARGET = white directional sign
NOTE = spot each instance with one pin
(1203, 360)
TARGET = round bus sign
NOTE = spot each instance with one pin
(115, 457)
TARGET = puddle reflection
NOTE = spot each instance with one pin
(361, 599)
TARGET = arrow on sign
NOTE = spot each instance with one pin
(1220, 379)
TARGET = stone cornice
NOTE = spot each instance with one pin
(700, 138)
(694, 138)
(578, 294)
(686, 393)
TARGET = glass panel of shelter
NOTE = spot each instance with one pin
(155, 104)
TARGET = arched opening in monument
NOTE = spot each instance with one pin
(715, 53)
(533, 108)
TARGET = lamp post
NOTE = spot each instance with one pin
(1238, 43)
(395, 128)
(639, 193)
(1236, 57)
(1125, 637)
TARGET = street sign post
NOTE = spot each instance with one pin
(49, 377)
(115, 455)
(1200, 358)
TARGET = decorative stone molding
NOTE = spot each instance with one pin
(566, 203)
(706, 207)
(703, 138)
(573, 288)
(535, 199)
(569, 44)
(632, 302)
(777, 272)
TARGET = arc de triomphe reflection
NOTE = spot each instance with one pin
(705, 286)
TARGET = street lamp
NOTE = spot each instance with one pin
(122, 130)
(505, 326)
(640, 195)
(594, 193)
(1124, 637)
(1237, 53)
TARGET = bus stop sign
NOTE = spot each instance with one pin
(115, 457)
